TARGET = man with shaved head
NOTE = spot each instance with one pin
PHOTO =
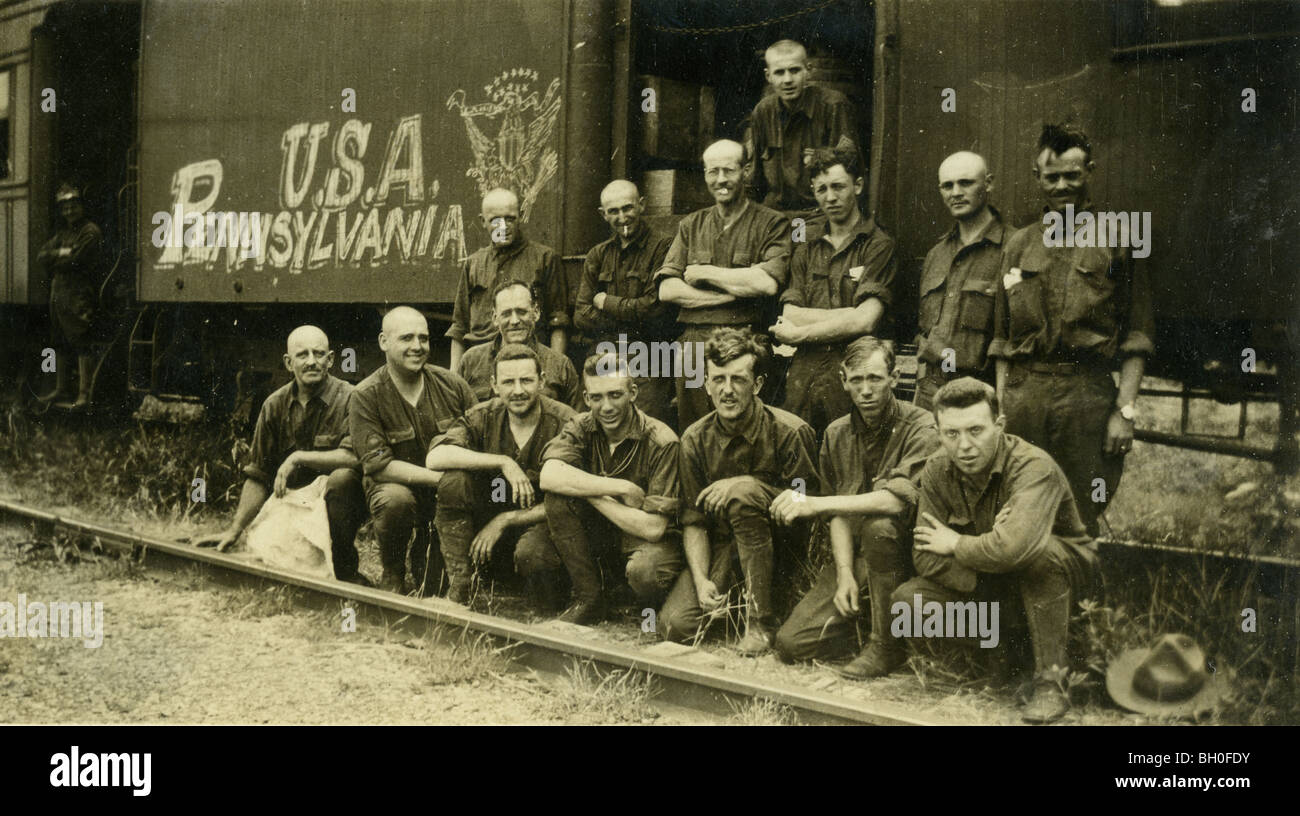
(618, 296)
(959, 281)
(725, 266)
(788, 125)
(509, 255)
(300, 434)
(395, 415)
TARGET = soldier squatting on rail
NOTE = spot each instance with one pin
(593, 486)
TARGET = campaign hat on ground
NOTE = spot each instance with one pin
(1172, 678)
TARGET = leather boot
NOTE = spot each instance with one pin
(583, 613)
(1047, 607)
(754, 546)
(85, 372)
(884, 652)
(543, 591)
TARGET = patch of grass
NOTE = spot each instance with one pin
(253, 603)
(472, 657)
(618, 696)
(762, 711)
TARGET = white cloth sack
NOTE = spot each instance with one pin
(293, 532)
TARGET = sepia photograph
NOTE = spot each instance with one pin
(650, 362)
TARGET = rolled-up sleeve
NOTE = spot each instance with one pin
(694, 473)
(663, 490)
(800, 448)
(460, 309)
(1138, 324)
(674, 265)
(367, 432)
(921, 442)
(568, 445)
(794, 292)
(881, 267)
(775, 250)
(556, 292)
(261, 455)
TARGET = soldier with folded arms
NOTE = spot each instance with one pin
(489, 501)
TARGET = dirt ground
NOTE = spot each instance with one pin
(177, 651)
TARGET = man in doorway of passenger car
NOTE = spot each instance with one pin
(787, 126)
(395, 414)
(959, 281)
(724, 267)
(841, 283)
(1064, 318)
(610, 478)
(735, 462)
(996, 522)
(869, 462)
(300, 435)
(509, 255)
(491, 515)
(515, 315)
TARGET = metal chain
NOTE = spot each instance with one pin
(744, 26)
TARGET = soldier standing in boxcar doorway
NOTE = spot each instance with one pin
(75, 258)
(787, 126)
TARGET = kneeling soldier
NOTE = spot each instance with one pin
(300, 435)
(996, 513)
(869, 461)
(504, 436)
(611, 475)
(395, 414)
(735, 461)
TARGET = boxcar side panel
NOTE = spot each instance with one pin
(243, 113)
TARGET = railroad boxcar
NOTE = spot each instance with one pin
(337, 150)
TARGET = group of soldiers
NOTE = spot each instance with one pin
(988, 487)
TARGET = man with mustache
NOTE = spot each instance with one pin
(508, 256)
(1064, 318)
(788, 125)
(735, 462)
(610, 477)
(959, 281)
(515, 316)
(618, 294)
(725, 265)
(489, 500)
(395, 414)
(840, 288)
(869, 461)
(300, 434)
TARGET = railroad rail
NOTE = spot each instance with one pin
(546, 648)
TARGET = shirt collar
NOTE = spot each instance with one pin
(886, 422)
(514, 249)
(638, 237)
(866, 226)
(324, 396)
(751, 427)
(722, 222)
(803, 105)
(498, 341)
(636, 432)
(992, 231)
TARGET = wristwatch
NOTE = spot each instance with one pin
(1129, 411)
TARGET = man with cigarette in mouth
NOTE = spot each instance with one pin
(618, 294)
